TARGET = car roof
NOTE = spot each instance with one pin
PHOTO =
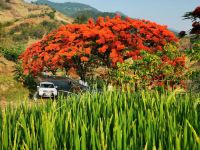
(46, 83)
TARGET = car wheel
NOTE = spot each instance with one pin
(53, 96)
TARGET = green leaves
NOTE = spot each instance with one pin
(108, 120)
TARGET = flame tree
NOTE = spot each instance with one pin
(103, 42)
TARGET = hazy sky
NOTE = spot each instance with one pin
(167, 12)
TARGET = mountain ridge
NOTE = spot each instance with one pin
(79, 11)
(68, 8)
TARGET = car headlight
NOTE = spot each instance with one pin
(40, 91)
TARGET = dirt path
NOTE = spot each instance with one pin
(63, 18)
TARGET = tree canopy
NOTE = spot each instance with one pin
(195, 17)
(103, 42)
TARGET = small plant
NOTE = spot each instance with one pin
(27, 80)
(12, 53)
(52, 14)
(182, 34)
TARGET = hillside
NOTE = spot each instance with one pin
(25, 23)
(21, 24)
(81, 12)
(10, 89)
(68, 8)
(17, 9)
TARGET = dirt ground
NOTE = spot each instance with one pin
(10, 89)
(6, 66)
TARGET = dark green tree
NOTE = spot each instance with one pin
(195, 17)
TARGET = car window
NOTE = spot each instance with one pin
(47, 86)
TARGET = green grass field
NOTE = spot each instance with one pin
(108, 120)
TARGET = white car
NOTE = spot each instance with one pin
(47, 89)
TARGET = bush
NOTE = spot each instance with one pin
(21, 27)
(49, 26)
(37, 32)
(12, 53)
(25, 30)
(20, 37)
(27, 80)
(163, 68)
(194, 55)
(35, 15)
(51, 14)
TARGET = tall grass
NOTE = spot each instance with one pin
(107, 120)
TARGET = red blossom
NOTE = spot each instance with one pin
(114, 39)
(84, 59)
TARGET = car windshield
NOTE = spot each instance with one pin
(47, 86)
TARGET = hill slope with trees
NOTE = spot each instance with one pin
(81, 12)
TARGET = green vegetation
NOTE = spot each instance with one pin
(132, 117)
(50, 14)
(194, 55)
(11, 53)
(14, 38)
(145, 70)
(25, 31)
(67, 8)
(107, 120)
(83, 16)
(13, 41)
(27, 80)
(81, 12)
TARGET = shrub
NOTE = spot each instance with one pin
(49, 26)
(163, 68)
(27, 80)
(37, 32)
(21, 27)
(182, 34)
(27, 30)
(12, 53)
(194, 55)
(51, 14)
(35, 15)
(20, 37)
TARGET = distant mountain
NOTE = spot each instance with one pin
(83, 16)
(68, 8)
(81, 12)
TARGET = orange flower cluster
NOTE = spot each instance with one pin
(110, 40)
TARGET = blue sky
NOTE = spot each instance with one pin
(167, 12)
